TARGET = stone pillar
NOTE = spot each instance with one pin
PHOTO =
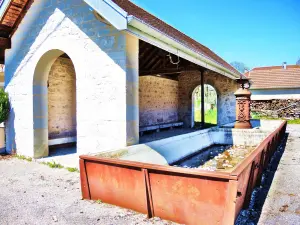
(242, 106)
(202, 100)
(132, 90)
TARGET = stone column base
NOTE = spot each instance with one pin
(242, 125)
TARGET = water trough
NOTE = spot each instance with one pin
(140, 177)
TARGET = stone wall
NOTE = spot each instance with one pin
(106, 65)
(225, 88)
(62, 99)
(158, 100)
(1, 79)
(277, 108)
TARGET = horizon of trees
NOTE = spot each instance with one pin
(240, 66)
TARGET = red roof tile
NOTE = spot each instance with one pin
(13, 13)
(275, 77)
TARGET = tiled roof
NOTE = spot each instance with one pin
(18, 8)
(170, 31)
(13, 13)
(275, 77)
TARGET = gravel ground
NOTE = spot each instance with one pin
(282, 205)
(277, 199)
(32, 193)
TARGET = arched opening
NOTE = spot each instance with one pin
(210, 106)
(54, 105)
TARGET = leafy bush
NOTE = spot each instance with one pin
(4, 106)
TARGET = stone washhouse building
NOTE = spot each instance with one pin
(97, 72)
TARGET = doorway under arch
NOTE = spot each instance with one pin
(54, 102)
(210, 106)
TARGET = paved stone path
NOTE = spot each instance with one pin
(282, 205)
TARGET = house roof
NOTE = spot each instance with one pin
(168, 30)
(12, 12)
(274, 77)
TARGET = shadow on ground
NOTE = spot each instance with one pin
(149, 136)
(251, 215)
(60, 150)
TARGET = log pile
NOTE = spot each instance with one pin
(277, 108)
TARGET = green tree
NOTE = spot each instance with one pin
(240, 66)
(4, 106)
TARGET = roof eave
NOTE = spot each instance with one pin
(122, 21)
(4, 7)
(111, 12)
(151, 34)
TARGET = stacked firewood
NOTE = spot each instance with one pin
(278, 108)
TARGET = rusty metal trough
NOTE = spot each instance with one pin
(187, 196)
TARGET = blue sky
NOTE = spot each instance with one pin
(256, 32)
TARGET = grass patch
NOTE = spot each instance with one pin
(210, 116)
(53, 165)
(59, 166)
(257, 116)
(72, 169)
(99, 201)
(296, 121)
(50, 164)
(22, 157)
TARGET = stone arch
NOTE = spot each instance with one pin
(40, 101)
(225, 87)
(195, 90)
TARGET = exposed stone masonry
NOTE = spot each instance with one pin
(225, 89)
(158, 100)
(62, 99)
(106, 64)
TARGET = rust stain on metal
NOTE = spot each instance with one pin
(178, 194)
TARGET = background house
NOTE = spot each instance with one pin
(275, 82)
(276, 90)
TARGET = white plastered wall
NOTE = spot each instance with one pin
(98, 52)
(270, 94)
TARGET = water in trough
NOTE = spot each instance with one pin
(216, 157)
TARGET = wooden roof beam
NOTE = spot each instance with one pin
(150, 55)
(5, 28)
(190, 67)
(5, 43)
(152, 62)
(144, 51)
(160, 71)
(156, 64)
(5, 31)
(17, 5)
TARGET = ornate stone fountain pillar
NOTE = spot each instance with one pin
(243, 105)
